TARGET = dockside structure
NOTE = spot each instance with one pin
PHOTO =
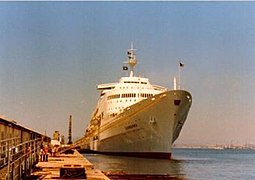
(19, 149)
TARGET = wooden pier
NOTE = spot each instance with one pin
(20, 150)
(68, 166)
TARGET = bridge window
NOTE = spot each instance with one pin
(136, 82)
(115, 96)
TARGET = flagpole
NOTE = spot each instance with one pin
(179, 80)
(175, 83)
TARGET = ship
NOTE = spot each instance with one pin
(135, 118)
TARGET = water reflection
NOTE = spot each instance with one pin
(131, 165)
(191, 164)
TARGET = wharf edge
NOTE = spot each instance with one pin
(52, 168)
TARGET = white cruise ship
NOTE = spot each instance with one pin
(136, 118)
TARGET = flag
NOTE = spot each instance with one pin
(125, 68)
(129, 54)
(181, 64)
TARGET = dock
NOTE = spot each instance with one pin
(20, 157)
(68, 166)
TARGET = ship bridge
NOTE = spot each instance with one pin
(108, 86)
(135, 80)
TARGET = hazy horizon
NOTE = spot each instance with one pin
(53, 54)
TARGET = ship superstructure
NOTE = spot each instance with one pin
(136, 118)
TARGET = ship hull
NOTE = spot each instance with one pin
(145, 129)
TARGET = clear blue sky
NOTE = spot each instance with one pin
(53, 54)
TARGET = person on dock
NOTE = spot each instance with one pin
(41, 154)
(44, 153)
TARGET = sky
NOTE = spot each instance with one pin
(53, 54)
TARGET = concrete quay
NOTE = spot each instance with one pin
(61, 163)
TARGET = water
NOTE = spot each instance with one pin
(186, 164)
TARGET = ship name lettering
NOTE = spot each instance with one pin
(131, 126)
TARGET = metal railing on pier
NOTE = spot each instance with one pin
(18, 159)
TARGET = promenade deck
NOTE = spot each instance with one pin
(51, 169)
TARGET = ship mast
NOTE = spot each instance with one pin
(131, 60)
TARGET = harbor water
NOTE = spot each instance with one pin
(185, 164)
